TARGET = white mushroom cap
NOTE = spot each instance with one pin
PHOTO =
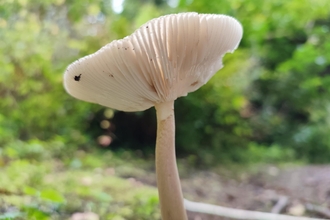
(164, 59)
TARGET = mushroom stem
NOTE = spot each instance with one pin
(168, 182)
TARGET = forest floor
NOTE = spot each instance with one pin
(105, 186)
(297, 190)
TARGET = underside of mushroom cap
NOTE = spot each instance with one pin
(164, 59)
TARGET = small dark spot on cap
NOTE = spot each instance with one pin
(147, 26)
(77, 78)
(150, 59)
(153, 88)
(194, 83)
(125, 48)
(111, 75)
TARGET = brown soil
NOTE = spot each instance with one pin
(258, 189)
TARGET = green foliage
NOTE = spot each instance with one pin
(290, 97)
(285, 99)
(32, 67)
(273, 91)
(210, 120)
(49, 187)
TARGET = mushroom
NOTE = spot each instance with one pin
(164, 59)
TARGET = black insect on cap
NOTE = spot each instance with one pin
(77, 78)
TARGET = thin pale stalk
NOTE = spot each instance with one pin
(168, 182)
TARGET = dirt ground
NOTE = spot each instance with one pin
(303, 191)
(292, 190)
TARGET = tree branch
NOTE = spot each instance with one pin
(238, 213)
(280, 205)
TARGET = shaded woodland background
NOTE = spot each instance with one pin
(270, 103)
(270, 100)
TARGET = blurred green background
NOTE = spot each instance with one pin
(270, 103)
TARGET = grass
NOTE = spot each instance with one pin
(36, 184)
(54, 181)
